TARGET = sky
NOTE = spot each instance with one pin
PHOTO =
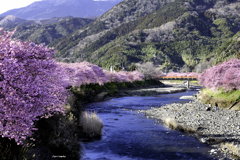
(12, 4)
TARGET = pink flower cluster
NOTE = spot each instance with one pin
(77, 74)
(124, 76)
(188, 74)
(33, 86)
(225, 75)
(30, 86)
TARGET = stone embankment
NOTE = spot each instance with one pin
(211, 125)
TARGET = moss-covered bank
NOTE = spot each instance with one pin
(221, 98)
(96, 92)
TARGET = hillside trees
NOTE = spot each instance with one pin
(238, 55)
(31, 84)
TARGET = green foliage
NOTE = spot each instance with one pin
(222, 98)
(67, 42)
(229, 49)
(238, 55)
(89, 92)
(133, 67)
(198, 36)
(50, 32)
(155, 19)
(223, 28)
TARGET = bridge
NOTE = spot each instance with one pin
(186, 78)
(189, 78)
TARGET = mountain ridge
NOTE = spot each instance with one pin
(46, 9)
(172, 34)
(190, 20)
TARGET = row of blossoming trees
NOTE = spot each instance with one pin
(33, 85)
(225, 75)
(77, 74)
(188, 74)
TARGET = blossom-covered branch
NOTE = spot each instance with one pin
(30, 86)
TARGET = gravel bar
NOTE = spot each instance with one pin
(212, 125)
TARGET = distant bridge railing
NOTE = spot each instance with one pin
(189, 78)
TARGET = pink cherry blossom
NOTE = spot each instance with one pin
(30, 86)
(225, 75)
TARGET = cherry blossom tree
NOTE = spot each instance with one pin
(225, 75)
(83, 73)
(123, 76)
(31, 86)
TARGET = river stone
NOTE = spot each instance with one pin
(213, 125)
(186, 97)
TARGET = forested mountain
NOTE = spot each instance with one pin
(187, 34)
(46, 9)
(11, 21)
(171, 33)
(45, 31)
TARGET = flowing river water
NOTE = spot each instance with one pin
(129, 135)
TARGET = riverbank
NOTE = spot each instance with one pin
(223, 99)
(97, 93)
(179, 82)
(153, 91)
(214, 126)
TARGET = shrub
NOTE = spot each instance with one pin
(238, 55)
(91, 124)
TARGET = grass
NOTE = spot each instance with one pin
(91, 124)
(235, 149)
(222, 98)
(180, 82)
(171, 123)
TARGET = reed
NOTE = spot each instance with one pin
(91, 124)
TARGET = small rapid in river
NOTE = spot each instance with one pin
(129, 135)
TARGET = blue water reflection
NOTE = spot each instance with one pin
(129, 135)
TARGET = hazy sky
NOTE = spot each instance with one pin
(12, 4)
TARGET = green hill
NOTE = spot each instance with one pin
(49, 31)
(173, 34)
(183, 32)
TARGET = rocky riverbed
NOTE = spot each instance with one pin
(211, 125)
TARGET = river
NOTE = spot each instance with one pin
(129, 135)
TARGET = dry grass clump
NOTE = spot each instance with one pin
(232, 148)
(171, 123)
(91, 124)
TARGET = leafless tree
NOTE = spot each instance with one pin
(148, 70)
